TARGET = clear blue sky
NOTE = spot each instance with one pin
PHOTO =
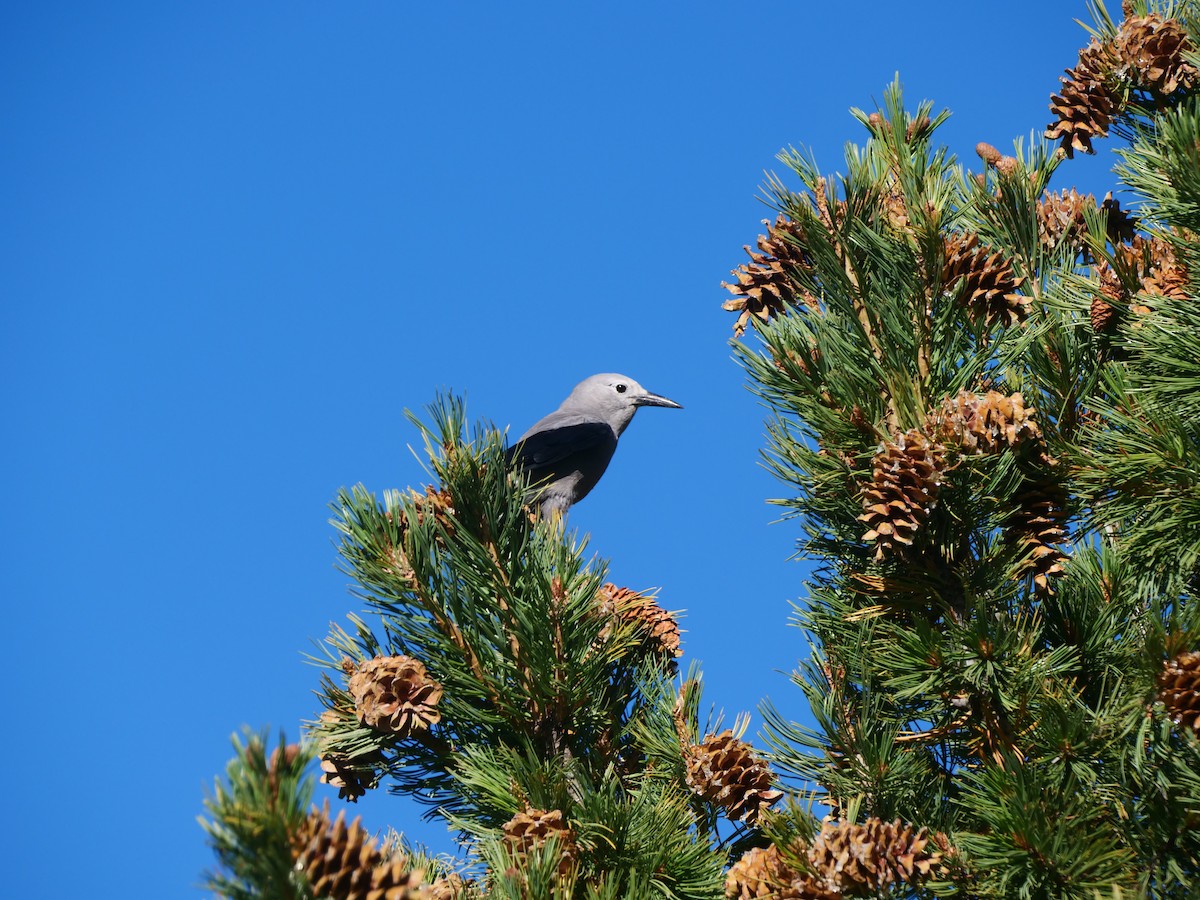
(239, 238)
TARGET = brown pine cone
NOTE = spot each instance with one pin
(724, 770)
(907, 476)
(983, 281)
(1179, 689)
(1086, 104)
(766, 286)
(394, 693)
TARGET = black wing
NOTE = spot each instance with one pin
(540, 451)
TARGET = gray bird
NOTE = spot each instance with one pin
(569, 449)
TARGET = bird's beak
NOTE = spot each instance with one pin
(649, 399)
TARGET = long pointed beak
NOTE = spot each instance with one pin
(649, 399)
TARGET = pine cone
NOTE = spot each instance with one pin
(807, 362)
(342, 862)
(389, 547)
(436, 503)
(389, 550)
(988, 153)
(762, 872)
(1039, 523)
(914, 127)
(1179, 689)
(981, 425)
(351, 779)
(1085, 105)
(1112, 297)
(724, 770)
(657, 624)
(1121, 226)
(1060, 219)
(904, 488)
(1166, 275)
(1008, 165)
(895, 209)
(917, 127)
(861, 860)
(533, 827)
(451, 887)
(282, 759)
(1152, 49)
(1103, 315)
(393, 880)
(352, 776)
(765, 286)
(394, 693)
(1158, 270)
(986, 283)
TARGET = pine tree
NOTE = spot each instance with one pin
(505, 685)
(984, 395)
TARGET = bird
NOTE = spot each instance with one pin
(567, 451)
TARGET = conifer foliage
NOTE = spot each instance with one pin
(500, 681)
(985, 394)
(984, 391)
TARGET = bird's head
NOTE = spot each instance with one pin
(615, 398)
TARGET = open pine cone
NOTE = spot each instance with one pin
(451, 887)
(352, 781)
(1151, 48)
(533, 827)
(353, 776)
(390, 539)
(986, 283)
(845, 860)
(1158, 271)
(907, 476)
(1085, 105)
(394, 693)
(1165, 274)
(851, 860)
(642, 611)
(765, 286)
(724, 770)
(985, 424)
(1060, 219)
(1121, 226)
(762, 872)
(343, 862)
(1179, 689)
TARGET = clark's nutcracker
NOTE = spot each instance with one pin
(569, 449)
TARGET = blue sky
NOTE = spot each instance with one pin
(240, 238)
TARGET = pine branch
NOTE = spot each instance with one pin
(986, 415)
(252, 816)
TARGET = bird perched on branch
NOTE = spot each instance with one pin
(568, 450)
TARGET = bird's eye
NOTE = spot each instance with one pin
(620, 388)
